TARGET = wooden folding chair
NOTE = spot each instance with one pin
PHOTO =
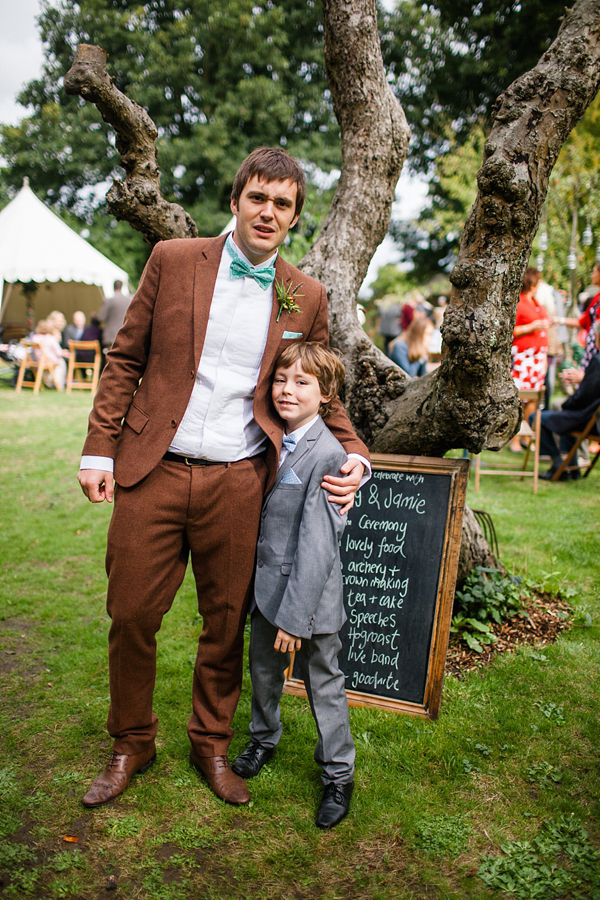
(533, 447)
(75, 367)
(579, 436)
(36, 365)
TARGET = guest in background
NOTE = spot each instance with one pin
(409, 350)
(74, 332)
(91, 332)
(112, 314)
(591, 313)
(389, 320)
(574, 414)
(57, 321)
(553, 302)
(45, 337)
(530, 344)
(406, 316)
(435, 342)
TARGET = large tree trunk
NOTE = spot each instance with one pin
(470, 401)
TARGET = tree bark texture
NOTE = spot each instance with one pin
(470, 401)
(375, 138)
(474, 549)
(137, 199)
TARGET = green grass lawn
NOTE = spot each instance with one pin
(502, 792)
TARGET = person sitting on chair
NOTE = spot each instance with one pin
(75, 331)
(574, 415)
(45, 337)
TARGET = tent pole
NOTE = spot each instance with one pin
(6, 299)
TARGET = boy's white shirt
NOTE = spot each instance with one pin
(298, 433)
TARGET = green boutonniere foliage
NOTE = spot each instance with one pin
(287, 296)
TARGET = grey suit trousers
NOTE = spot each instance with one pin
(325, 686)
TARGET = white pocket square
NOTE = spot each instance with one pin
(290, 477)
(289, 335)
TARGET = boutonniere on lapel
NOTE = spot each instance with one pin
(287, 294)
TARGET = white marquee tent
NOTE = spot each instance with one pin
(36, 245)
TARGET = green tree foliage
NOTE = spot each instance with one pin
(391, 281)
(431, 243)
(448, 61)
(575, 185)
(218, 79)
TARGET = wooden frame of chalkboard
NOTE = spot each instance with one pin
(399, 555)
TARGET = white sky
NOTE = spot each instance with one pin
(20, 54)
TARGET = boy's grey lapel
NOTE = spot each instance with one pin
(303, 446)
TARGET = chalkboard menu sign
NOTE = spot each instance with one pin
(399, 560)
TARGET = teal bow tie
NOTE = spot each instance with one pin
(241, 269)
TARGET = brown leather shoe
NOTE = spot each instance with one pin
(221, 780)
(116, 775)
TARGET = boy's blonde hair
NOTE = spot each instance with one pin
(319, 361)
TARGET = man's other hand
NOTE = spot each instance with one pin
(343, 489)
(97, 485)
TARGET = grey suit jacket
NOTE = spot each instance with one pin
(298, 584)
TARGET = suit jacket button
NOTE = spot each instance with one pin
(173, 423)
(192, 373)
(260, 564)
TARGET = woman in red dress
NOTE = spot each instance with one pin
(530, 344)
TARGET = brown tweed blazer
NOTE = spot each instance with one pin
(148, 379)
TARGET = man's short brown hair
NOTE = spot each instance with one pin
(319, 361)
(272, 164)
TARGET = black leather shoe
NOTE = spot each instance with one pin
(334, 805)
(547, 476)
(252, 759)
(575, 474)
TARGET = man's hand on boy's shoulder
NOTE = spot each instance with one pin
(286, 643)
(343, 488)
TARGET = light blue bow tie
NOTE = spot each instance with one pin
(289, 442)
(239, 268)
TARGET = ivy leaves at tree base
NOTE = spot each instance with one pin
(488, 595)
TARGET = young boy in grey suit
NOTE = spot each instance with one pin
(298, 602)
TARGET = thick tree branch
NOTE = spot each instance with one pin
(137, 199)
(471, 401)
(375, 138)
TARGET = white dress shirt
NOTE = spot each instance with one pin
(218, 422)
